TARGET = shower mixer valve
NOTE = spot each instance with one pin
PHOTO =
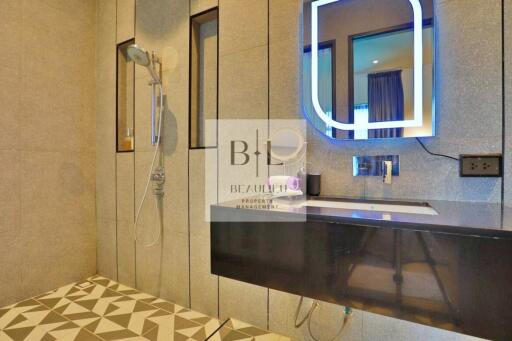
(158, 178)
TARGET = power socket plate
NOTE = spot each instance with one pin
(490, 166)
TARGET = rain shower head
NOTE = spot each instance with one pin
(139, 55)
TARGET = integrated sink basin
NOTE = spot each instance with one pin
(420, 208)
(362, 205)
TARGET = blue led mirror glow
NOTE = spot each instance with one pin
(360, 123)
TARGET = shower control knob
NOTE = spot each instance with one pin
(158, 175)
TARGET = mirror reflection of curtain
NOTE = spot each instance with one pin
(325, 80)
(385, 102)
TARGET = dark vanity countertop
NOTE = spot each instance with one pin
(468, 218)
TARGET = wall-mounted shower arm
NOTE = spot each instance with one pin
(154, 66)
(155, 82)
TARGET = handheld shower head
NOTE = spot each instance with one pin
(141, 57)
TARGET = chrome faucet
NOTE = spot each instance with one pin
(387, 172)
(385, 166)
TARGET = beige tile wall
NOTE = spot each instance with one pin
(125, 218)
(125, 20)
(508, 103)
(243, 74)
(162, 26)
(198, 6)
(106, 164)
(47, 148)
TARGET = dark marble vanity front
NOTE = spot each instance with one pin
(452, 270)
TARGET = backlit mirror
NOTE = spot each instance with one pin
(368, 68)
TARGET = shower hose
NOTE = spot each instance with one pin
(157, 200)
(309, 316)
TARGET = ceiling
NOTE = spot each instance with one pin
(392, 51)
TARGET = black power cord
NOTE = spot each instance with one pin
(436, 154)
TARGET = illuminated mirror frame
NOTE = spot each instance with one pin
(418, 75)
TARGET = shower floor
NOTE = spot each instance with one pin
(101, 309)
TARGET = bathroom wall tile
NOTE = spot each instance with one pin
(10, 271)
(10, 194)
(10, 34)
(170, 43)
(10, 97)
(243, 301)
(243, 25)
(163, 26)
(57, 186)
(125, 186)
(142, 112)
(125, 20)
(175, 270)
(325, 322)
(106, 118)
(106, 164)
(285, 59)
(508, 104)
(106, 186)
(61, 61)
(203, 285)
(333, 159)
(57, 218)
(175, 125)
(49, 126)
(126, 256)
(47, 139)
(175, 276)
(69, 256)
(106, 76)
(164, 268)
(83, 11)
(243, 84)
(58, 98)
(285, 79)
(106, 263)
(125, 218)
(106, 41)
(382, 328)
(285, 20)
(198, 6)
(176, 168)
(10, 227)
(148, 259)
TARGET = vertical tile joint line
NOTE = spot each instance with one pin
(217, 149)
(188, 175)
(268, 127)
(503, 98)
(115, 154)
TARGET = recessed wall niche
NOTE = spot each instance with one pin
(203, 101)
(125, 99)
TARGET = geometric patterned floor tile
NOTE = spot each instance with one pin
(235, 330)
(99, 309)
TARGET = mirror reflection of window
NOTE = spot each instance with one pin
(383, 76)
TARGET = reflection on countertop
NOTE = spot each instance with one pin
(470, 218)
